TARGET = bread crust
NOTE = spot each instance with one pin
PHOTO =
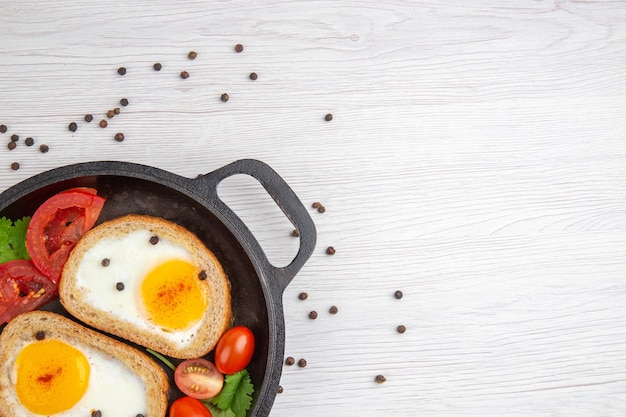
(24, 328)
(216, 287)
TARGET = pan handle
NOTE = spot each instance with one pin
(284, 197)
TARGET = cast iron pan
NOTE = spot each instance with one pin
(257, 285)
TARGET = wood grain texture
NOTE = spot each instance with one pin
(476, 161)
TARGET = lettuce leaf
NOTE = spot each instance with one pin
(13, 239)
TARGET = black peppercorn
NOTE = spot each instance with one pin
(290, 360)
(253, 76)
(225, 97)
(96, 413)
(15, 166)
(119, 286)
(398, 294)
(121, 71)
(157, 66)
(302, 363)
(29, 141)
(140, 415)
(44, 148)
(154, 240)
(15, 138)
(3, 129)
(88, 118)
(321, 209)
(280, 389)
(316, 204)
(73, 127)
(103, 123)
(192, 55)
(238, 48)
(303, 296)
(313, 315)
(330, 250)
(11, 145)
(295, 233)
(119, 137)
(184, 75)
(106, 262)
(380, 379)
(401, 328)
(202, 275)
(328, 117)
(333, 310)
(40, 335)
(116, 110)
(110, 114)
(124, 102)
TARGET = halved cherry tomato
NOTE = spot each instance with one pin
(198, 378)
(57, 225)
(188, 407)
(234, 350)
(22, 288)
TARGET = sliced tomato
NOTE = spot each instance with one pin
(57, 225)
(198, 378)
(23, 288)
(188, 407)
(86, 190)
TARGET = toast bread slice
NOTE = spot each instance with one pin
(214, 285)
(32, 326)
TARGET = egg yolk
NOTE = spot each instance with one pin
(172, 295)
(52, 376)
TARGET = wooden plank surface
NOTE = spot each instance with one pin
(476, 161)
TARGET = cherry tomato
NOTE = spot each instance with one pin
(22, 288)
(234, 350)
(188, 407)
(57, 225)
(198, 378)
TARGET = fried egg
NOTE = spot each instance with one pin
(55, 378)
(149, 281)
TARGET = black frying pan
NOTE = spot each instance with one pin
(257, 285)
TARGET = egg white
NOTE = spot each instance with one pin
(112, 388)
(132, 257)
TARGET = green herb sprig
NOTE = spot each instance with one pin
(235, 398)
(13, 239)
(162, 359)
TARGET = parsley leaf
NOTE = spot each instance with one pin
(236, 395)
(13, 239)
(216, 412)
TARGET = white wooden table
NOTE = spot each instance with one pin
(476, 161)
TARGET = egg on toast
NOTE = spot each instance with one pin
(55, 367)
(149, 281)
